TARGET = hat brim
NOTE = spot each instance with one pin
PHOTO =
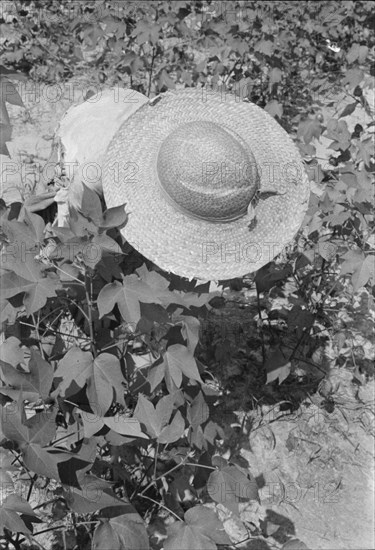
(185, 245)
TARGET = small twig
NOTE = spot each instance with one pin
(79, 307)
(151, 71)
(59, 332)
(49, 529)
(33, 480)
(162, 506)
(36, 328)
(45, 503)
(88, 291)
(199, 465)
(156, 458)
(261, 332)
(69, 275)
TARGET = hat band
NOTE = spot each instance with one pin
(186, 212)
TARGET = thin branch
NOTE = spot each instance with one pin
(88, 291)
(151, 71)
(162, 506)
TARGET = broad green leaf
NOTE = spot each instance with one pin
(124, 425)
(11, 352)
(145, 413)
(153, 418)
(106, 538)
(36, 295)
(230, 486)
(200, 529)
(11, 285)
(114, 217)
(179, 360)
(353, 77)
(353, 53)
(156, 375)
(274, 108)
(125, 532)
(155, 313)
(277, 366)
(104, 242)
(40, 461)
(32, 436)
(266, 277)
(264, 46)
(275, 75)
(38, 380)
(102, 375)
(106, 379)
(349, 109)
(353, 260)
(364, 273)
(8, 313)
(94, 494)
(9, 92)
(198, 411)
(6, 465)
(23, 236)
(298, 318)
(127, 295)
(92, 423)
(190, 330)
(11, 507)
(173, 431)
(183, 535)
(5, 130)
(213, 431)
(167, 297)
(76, 365)
(326, 249)
(89, 203)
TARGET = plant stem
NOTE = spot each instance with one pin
(151, 70)
(162, 506)
(199, 466)
(88, 292)
(31, 486)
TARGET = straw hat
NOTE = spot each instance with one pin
(214, 186)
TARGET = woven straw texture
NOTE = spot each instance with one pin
(166, 141)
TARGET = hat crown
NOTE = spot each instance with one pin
(207, 170)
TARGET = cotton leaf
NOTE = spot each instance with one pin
(102, 375)
(349, 109)
(11, 506)
(179, 358)
(146, 414)
(198, 411)
(125, 532)
(353, 260)
(76, 365)
(274, 108)
(201, 528)
(124, 425)
(364, 273)
(114, 217)
(173, 431)
(229, 485)
(38, 381)
(11, 352)
(127, 295)
(94, 494)
(278, 367)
